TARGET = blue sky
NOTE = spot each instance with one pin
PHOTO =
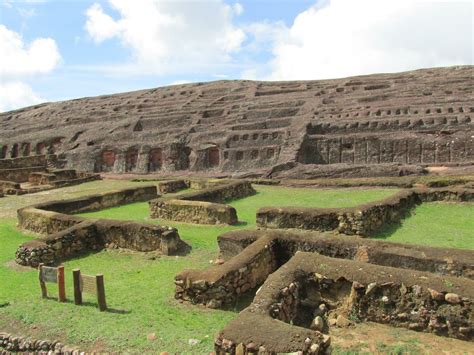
(56, 50)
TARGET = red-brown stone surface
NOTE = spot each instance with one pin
(421, 117)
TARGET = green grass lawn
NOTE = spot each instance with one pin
(139, 290)
(435, 224)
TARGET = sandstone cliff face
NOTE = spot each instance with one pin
(417, 117)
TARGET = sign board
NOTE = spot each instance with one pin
(52, 275)
(49, 274)
(88, 284)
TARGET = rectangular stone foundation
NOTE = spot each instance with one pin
(361, 220)
(286, 302)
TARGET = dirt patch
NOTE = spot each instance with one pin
(380, 339)
(17, 267)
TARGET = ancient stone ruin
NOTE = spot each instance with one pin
(310, 269)
(65, 236)
(36, 173)
(385, 124)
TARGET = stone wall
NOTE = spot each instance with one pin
(311, 286)
(51, 217)
(23, 162)
(203, 206)
(19, 174)
(9, 187)
(24, 344)
(221, 193)
(223, 284)
(45, 222)
(166, 187)
(65, 236)
(241, 248)
(194, 212)
(417, 301)
(92, 235)
(100, 201)
(362, 220)
(19, 169)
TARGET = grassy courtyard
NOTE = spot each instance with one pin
(437, 224)
(143, 314)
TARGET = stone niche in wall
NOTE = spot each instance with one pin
(106, 161)
(213, 156)
(40, 148)
(131, 158)
(4, 152)
(155, 159)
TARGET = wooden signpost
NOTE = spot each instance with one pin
(89, 284)
(52, 275)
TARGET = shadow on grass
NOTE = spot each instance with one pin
(90, 304)
(241, 224)
(387, 230)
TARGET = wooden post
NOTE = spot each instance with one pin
(76, 275)
(61, 285)
(44, 290)
(101, 292)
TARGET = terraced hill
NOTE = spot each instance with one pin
(415, 118)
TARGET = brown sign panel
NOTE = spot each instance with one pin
(49, 274)
(88, 284)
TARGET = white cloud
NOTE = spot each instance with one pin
(16, 94)
(345, 37)
(170, 36)
(20, 61)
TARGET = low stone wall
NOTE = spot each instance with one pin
(214, 286)
(312, 286)
(23, 344)
(50, 176)
(99, 201)
(19, 174)
(24, 162)
(72, 241)
(44, 222)
(81, 179)
(67, 236)
(93, 235)
(223, 284)
(204, 206)
(172, 186)
(194, 212)
(9, 187)
(139, 236)
(442, 261)
(362, 220)
(221, 193)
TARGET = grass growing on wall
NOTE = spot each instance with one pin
(139, 286)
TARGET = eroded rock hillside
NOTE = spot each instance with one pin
(414, 118)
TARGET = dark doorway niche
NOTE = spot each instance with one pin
(40, 148)
(213, 156)
(155, 159)
(107, 160)
(14, 153)
(131, 158)
(3, 152)
(26, 149)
